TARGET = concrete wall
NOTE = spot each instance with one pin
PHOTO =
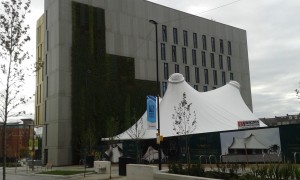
(137, 172)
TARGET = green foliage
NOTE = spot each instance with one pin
(272, 172)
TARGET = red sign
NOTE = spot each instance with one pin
(248, 124)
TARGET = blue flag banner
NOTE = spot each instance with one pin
(151, 112)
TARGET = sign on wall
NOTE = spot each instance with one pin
(248, 124)
(151, 112)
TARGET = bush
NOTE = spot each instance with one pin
(278, 171)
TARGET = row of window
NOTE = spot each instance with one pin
(197, 74)
(194, 57)
(195, 40)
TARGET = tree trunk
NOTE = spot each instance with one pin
(4, 149)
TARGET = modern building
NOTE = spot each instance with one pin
(39, 94)
(282, 120)
(18, 136)
(100, 63)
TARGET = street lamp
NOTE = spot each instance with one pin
(158, 93)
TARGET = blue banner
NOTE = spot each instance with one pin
(151, 112)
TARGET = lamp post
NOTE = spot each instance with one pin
(158, 93)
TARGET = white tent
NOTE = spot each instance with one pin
(249, 142)
(216, 110)
(152, 154)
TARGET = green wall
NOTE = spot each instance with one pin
(103, 85)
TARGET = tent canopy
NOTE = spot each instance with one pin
(215, 110)
(249, 142)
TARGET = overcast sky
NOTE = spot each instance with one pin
(273, 34)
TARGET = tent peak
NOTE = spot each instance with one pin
(235, 84)
(176, 78)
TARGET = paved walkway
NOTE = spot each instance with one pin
(90, 175)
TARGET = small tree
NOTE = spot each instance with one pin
(136, 132)
(184, 123)
(89, 139)
(13, 37)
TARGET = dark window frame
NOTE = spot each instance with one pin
(203, 58)
(174, 54)
(197, 75)
(166, 71)
(213, 44)
(204, 43)
(194, 57)
(164, 33)
(175, 36)
(163, 51)
(187, 73)
(206, 76)
(184, 56)
(185, 38)
(212, 60)
(195, 40)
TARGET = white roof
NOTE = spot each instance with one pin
(249, 142)
(216, 110)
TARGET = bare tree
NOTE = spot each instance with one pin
(185, 122)
(13, 37)
(136, 132)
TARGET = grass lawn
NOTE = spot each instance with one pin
(62, 172)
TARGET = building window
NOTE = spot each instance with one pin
(184, 59)
(46, 64)
(45, 111)
(223, 78)
(47, 81)
(164, 33)
(174, 54)
(195, 40)
(187, 73)
(206, 78)
(204, 42)
(46, 20)
(166, 71)
(231, 76)
(197, 75)
(215, 77)
(47, 40)
(163, 51)
(37, 95)
(213, 44)
(203, 59)
(229, 63)
(229, 48)
(40, 93)
(194, 57)
(176, 68)
(221, 46)
(185, 38)
(46, 136)
(205, 89)
(214, 87)
(164, 87)
(175, 36)
(196, 87)
(212, 60)
(221, 61)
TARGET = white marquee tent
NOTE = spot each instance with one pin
(216, 110)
